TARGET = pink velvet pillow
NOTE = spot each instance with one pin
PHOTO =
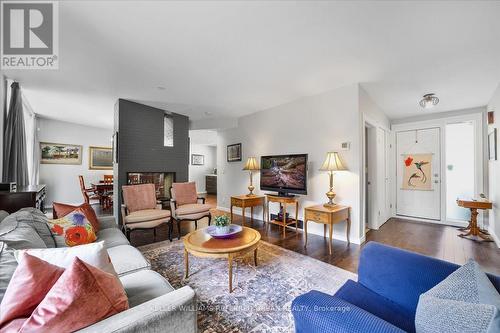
(185, 193)
(31, 281)
(82, 296)
(139, 197)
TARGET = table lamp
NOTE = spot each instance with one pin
(251, 165)
(331, 164)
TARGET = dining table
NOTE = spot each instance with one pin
(105, 191)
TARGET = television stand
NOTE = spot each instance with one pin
(283, 201)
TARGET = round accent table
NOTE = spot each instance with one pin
(202, 245)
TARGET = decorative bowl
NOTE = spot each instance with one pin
(233, 230)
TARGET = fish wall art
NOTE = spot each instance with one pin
(417, 172)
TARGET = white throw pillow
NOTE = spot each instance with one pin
(94, 254)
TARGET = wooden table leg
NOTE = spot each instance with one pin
(474, 229)
(255, 257)
(264, 212)
(230, 262)
(324, 230)
(296, 215)
(305, 230)
(243, 215)
(284, 220)
(330, 232)
(186, 264)
(348, 226)
(231, 213)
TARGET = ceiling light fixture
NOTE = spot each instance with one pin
(429, 101)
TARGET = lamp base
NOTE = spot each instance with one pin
(251, 188)
(330, 205)
(331, 195)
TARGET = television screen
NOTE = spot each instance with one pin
(284, 173)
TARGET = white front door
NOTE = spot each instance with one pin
(413, 202)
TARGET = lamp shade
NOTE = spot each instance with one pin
(332, 162)
(251, 164)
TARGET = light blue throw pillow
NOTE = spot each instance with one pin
(466, 301)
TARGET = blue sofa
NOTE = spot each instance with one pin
(384, 299)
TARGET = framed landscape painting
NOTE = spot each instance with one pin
(100, 158)
(197, 159)
(60, 153)
(234, 152)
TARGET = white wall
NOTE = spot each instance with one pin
(3, 103)
(313, 125)
(494, 172)
(62, 180)
(197, 173)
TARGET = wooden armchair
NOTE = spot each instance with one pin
(186, 205)
(88, 193)
(141, 211)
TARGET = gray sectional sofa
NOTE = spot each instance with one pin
(154, 305)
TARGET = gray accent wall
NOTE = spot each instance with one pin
(140, 144)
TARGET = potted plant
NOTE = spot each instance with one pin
(222, 223)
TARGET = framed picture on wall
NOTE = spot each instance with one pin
(197, 159)
(100, 158)
(234, 152)
(60, 153)
(492, 145)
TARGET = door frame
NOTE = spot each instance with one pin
(385, 214)
(478, 121)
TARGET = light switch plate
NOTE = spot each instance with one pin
(345, 145)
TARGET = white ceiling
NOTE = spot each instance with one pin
(218, 59)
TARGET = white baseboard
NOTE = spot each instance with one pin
(494, 237)
(460, 224)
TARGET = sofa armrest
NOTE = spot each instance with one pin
(317, 312)
(173, 312)
(106, 222)
(400, 275)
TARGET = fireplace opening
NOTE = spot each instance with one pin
(162, 181)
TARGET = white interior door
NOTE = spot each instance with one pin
(419, 203)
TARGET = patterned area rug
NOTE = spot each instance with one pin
(262, 295)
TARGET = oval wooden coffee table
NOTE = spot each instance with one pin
(202, 245)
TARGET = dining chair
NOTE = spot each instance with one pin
(186, 205)
(140, 209)
(88, 193)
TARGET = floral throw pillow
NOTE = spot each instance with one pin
(72, 229)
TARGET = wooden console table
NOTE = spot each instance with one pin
(328, 216)
(244, 201)
(473, 228)
(283, 201)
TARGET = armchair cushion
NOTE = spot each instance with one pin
(190, 209)
(184, 193)
(362, 297)
(139, 197)
(147, 215)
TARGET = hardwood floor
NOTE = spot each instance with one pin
(430, 239)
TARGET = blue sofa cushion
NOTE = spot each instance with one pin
(357, 294)
(317, 312)
(400, 275)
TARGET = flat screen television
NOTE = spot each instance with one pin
(285, 174)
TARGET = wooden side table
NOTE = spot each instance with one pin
(473, 229)
(244, 201)
(283, 201)
(328, 216)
